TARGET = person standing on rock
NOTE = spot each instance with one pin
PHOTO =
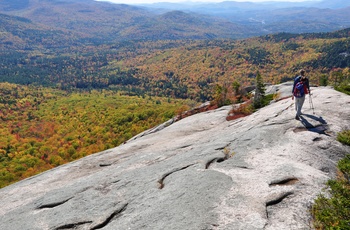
(301, 87)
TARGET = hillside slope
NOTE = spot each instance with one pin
(18, 34)
(181, 68)
(105, 22)
(270, 16)
(202, 172)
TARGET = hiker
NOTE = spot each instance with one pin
(300, 88)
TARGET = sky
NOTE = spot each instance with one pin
(153, 1)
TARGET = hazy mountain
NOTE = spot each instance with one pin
(246, 6)
(110, 22)
(299, 20)
(271, 17)
(105, 22)
(333, 4)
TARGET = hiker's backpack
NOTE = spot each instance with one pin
(299, 90)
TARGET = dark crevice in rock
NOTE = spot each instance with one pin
(242, 167)
(222, 148)
(278, 199)
(185, 146)
(72, 226)
(105, 165)
(275, 123)
(161, 180)
(288, 181)
(317, 139)
(52, 205)
(114, 215)
(216, 159)
(222, 159)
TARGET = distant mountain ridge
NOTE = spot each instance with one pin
(248, 5)
(271, 17)
(114, 22)
(334, 4)
(103, 22)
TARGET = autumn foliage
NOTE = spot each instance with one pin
(41, 128)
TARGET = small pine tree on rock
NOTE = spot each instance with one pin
(259, 91)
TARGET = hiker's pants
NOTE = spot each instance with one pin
(299, 101)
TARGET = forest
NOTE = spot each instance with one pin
(61, 103)
(41, 127)
(181, 68)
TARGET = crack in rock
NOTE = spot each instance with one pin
(317, 139)
(216, 159)
(287, 181)
(222, 148)
(273, 124)
(161, 180)
(185, 146)
(73, 225)
(278, 199)
(122, 185)
(105, 165)
(281, 111)
(52, 205)
(241, 167)
(113, 216)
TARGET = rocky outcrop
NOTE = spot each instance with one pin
(262, 171)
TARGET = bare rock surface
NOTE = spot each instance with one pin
(262, 171)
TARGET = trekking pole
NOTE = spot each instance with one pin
(311, 104)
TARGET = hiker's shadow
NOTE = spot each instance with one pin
(314, 124)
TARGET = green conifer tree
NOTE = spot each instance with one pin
(259, 91)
